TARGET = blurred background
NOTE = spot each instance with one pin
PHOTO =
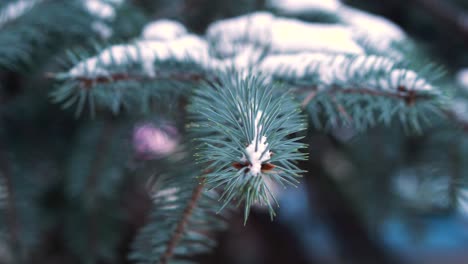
(383, 196)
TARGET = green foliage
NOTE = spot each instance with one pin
(247, 132)
(183, 218)
(247, 124)
(94, 185)
(40, 31)
(125, 86)
(364, 91)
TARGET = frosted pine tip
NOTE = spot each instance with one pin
(257, 153)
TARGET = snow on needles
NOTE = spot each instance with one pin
(304, 6)
(257, 151)
(371, 24)
(16, 9)
(171, 43)
(336, 69)
(163, 29)
(145, 53)
(376, 31)
(281, 35)
(273, 46)
(104, 11)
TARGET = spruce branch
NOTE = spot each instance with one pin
(12, 10)
(183, 222)
(341, 84)
(94, 82)
(358, 91)
(127, 76)
(33, 28)
(247, 131)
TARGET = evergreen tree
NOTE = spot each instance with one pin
(137, 131)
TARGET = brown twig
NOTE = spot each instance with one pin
(308, 98)
(409, 96)
(179, 231)
(342, 110)
(89, 82)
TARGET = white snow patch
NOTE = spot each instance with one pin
(280, 35)
(462, 78)
(101, 8)
(335, 69)
(371, 24)
(104, 11)
(304, 6)
(144, 52)
(299, 65)
(102, 29)
(375, 31)
(16, 9)
(406, 78)
(163, 29)
(244, 62)
(295, 48)
(166, 197)
(169, 194)
(228, 34)
(257, 152)
(290, 35)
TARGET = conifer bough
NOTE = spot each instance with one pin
(248, 138)
(251, 82)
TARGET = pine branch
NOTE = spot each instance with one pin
(31, 35)
(348, 80)
(121, 77)
(408, 96)
(94, 82)
(182, 219)
(246, 129)
(358, 91)
(12, 10)
(183, 222)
